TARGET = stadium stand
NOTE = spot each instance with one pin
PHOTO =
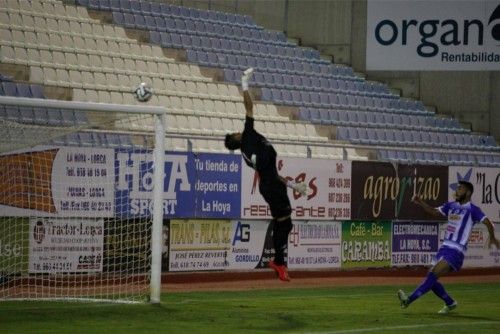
(306, 103)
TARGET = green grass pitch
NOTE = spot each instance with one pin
(367, 309)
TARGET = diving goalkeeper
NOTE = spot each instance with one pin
(260, 155)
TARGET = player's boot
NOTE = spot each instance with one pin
(447, 308)
(403, 299)
(280, 270)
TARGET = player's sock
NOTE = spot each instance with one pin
(426, 285)
(439, 290)
(281, 229)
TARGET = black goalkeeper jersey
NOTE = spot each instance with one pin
(270, 185)
(253, 143)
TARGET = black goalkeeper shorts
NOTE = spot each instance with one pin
(275, 194)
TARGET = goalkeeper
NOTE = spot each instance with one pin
(260, 155)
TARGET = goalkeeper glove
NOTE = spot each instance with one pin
(300, 187)
(253, 158)
(245, 78)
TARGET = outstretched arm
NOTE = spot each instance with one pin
(247, 101)
(427, 208)
(491, 231)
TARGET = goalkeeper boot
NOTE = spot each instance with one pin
(281, 271)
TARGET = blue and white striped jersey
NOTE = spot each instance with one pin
(461, 219)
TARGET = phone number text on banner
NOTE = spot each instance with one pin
(328, 197)
(66, 245)
(315, 245)
(414, 243)
(199, 244)
(71, 182)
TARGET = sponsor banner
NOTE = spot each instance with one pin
(328, 198)
(197, 245)
(65, 245)
(384, 190)
(14, 245)
(195, 185)
(314, 245)
(366, 244)
(127, 245)
(63, 182)
(165, 245)
(251, 245)
(414, 243)
(478, 253)
(433, 35)
(486, 182)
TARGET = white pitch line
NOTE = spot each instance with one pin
(402, 327)
(354, 295)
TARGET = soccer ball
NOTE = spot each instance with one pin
(143, 92)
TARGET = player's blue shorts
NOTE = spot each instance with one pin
(454, 257)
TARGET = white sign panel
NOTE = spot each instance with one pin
(247, 246)
(66, 245)
(433, 35)
(315, 245)
(60, 182)
(328, 197)
(486, 182)
(83, 182)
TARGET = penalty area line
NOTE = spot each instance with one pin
(402, 327)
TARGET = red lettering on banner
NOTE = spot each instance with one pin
(318, 212)
(300, 211)
(257, 211)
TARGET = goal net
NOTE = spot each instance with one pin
(65, 233)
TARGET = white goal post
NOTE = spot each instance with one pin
(43, 254)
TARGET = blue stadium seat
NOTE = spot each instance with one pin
(154, 8)
(276, 96)
(325, 116)
(305, 115)
(93, 4)
(128, 20)
(10, 88)
(266, 94)
(23, 90)
(155, 37)
(122, 5)
(343, 134)
(176, 41)
(150, 22)
(286, 96)
(305, 97)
